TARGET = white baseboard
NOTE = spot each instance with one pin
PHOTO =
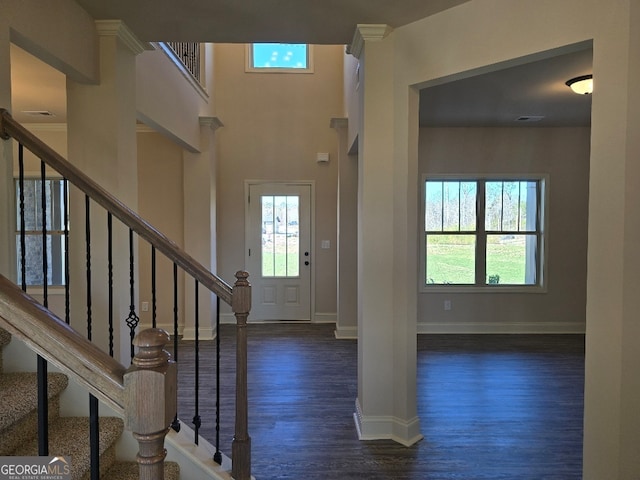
(501, 328)
(387, 427)
(325, 317)
(204, 333)
(229, 318)
(346, 333)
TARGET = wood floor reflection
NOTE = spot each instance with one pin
(499, 407)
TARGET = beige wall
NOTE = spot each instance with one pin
(160, 202)
(483, 34)
(274, 124)
(563, 155)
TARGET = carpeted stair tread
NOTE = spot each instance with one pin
(69, 436)
(5, 338)
(129, 471)
(19, 393)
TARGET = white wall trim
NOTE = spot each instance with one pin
(367, 32)
(205, 333)
(325, 317)
(229, 319)
(387, 427)
(117, 28)
(346, 333)
(503, 327)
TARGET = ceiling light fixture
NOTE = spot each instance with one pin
(582, 85)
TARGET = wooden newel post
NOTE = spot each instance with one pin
(241, 446)
(151, 400)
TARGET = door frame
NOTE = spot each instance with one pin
(312, 212)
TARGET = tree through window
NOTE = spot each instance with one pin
(483, 232)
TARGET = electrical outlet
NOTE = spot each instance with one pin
(145, 306)
(447, 304)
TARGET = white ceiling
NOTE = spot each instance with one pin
(245, 21)
(498, 98)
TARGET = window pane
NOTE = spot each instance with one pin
(493, 206)
(529, 204)
(54, 201)
(33, 260)
(433, 206)
(280, 245)
(511, 206)
(468, 195)
(511, 259)
(450, 259)
(280, 55)
(450, 206)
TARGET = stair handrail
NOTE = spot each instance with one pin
(54, 340)
(151, 378)
(9, 128)
(238, 297)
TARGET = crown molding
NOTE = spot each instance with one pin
(117, 28)
(213, 123)
(367, 33)
(339, 122)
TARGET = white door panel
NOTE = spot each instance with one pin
(278, 257)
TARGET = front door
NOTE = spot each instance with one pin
(278, 257)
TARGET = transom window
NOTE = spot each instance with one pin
(483, 232)
(279, 57)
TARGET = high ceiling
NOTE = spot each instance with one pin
(533, 90)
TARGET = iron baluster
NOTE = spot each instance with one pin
(196, 418)
(23, 226)
(153, 286)
(217, 457)
(87, 236)
(67, 297)
(42, 368)
(176, 423)
(133, 319)
(110, 277)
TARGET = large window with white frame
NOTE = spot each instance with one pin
(484, 233)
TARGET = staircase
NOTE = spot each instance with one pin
(143, 395)
(18, 427)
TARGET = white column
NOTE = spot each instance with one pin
(347, 251)
(200, 227)
(612, 382)
(386, 404)
(7, 200)
(102, 142)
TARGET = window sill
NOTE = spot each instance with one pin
(51, 290)
(479, 289)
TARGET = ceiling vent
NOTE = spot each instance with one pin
(529, 118)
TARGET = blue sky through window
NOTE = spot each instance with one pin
(280, 55)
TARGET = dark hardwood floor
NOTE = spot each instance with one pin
(491, 406)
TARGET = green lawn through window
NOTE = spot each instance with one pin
(453, 263)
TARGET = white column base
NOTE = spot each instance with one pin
(387, 427)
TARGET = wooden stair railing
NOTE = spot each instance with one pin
(238, 297)
(152, 377)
